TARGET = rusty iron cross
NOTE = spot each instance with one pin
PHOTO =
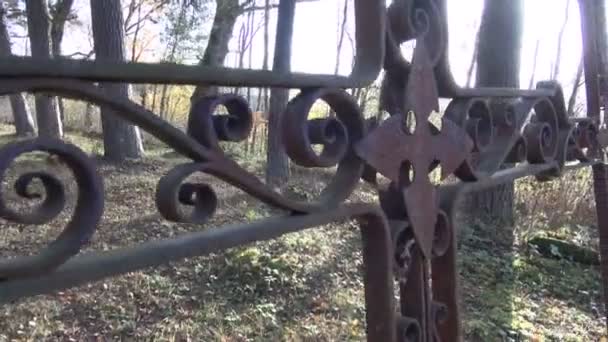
(405, 157)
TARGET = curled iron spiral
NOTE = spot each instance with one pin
(337, 137)
(84, 220)
(209, 127)
(201, 144)
(473, 114)
(172, 193)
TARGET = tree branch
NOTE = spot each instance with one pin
(272, 6)
(80, 54)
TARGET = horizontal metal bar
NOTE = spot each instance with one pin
(519, 171)
(576, 166)
(170, 73)
(507, 175)
(165, 73)
(95, 266)
(499, 92)
(370, 24)
(582, 119)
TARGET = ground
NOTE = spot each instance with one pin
(303, 287)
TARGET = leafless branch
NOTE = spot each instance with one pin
(271, 6)
(80, 54)
(560, 38)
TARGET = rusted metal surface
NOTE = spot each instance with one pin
(405, 156)
(369, 33)
(487, 136)
(595, 70)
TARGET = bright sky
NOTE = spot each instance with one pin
(316, 36)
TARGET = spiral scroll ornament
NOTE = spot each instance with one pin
(209, 127)
(473, 115)
(337, 137)
(84, 220)
(174, 195)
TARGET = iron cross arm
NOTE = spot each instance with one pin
(406, 155)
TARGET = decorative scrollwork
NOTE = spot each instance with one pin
(408, 329)
(519, 152)
(541, 133)
(86, 215)
(483, 130)
(411, 19)
(474, 116)
(209, 128)
(172, 193)
(336, 135)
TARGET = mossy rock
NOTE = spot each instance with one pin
(560, 249)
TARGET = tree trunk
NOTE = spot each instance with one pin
(277, 167)
(498, 62)
(143, 94)
(499, 49)
(22, 118)
(47, 113)
(163, 101)
(88, 117)
(226, 13)
(154, 97)
(59, 16)
(120, 139)
(595, 55)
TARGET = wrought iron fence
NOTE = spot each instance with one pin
(488, 136)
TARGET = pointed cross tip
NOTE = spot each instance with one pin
(422, 207)
(421, 90)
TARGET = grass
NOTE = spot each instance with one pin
(301, 287)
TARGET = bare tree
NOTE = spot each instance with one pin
(575, 88)
(560, 39)
(341, 31)
(175, 38)
(120, 139)
(24, 123)
(263, 94)
(247, 32)
(60, 13)
(472, 64)
(47, 112)
(226, 14)
(277, 167)
(534, 60)
(140, 12)
(250, 23)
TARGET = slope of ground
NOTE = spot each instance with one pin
(304, 286)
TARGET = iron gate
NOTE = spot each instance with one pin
(488, 136)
